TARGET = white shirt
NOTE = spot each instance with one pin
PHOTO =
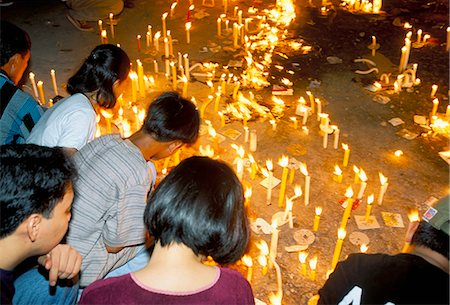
(69, 123)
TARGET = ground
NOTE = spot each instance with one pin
(414, 178)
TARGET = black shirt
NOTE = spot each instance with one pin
(6, 286)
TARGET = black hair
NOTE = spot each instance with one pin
(171, 117)
(430, 237)
(106, 64)
(33, 179)
(201, 205)
(13, 40)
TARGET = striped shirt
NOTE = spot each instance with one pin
(19, 112)
(108, 208)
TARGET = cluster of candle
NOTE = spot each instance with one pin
(364, 6)
(38, 88)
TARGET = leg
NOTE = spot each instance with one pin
(32, 288)
(92, 10)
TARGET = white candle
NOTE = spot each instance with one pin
(246, 134)
(111, 23)
(319, 108)
(166, 47)
(447, 45)
(336, 136)
(273, 241)
(53, 75)
(188, 32)
(435, 107)
(163, 20)
(33, 84)
(186, 66)
(433, 90)
(419, 36)
(269, 166)
(156, 40)
(155, 66)
(40, 85)
(253, 140)
(219, 27)
(383, 188)
(363, 178)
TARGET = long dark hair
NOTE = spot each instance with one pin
(106, 64)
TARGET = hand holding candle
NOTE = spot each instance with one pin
(338, 248)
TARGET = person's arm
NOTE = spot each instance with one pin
(62, 261)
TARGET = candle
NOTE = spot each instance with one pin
(174, 76)
(374, 45)
(283, 162)
(363, 177)
(235, 90)
(136, 117)
(141, 78)
(269, 166)
(222, 118)
(383, 188)
(166, 47)
(346, 154)
(240, 17)
(169, 36)
(336, 136)
(219, 27)
(294, 119)
(273, 242)
(274, 125)
(302, 258)
(167, 64)
(325, 139)
(134, 84)
(104, 37)
(111, 24)
(363, 248)
(186, 66)
(155, 66)
(262, 259)
(164, 28)
(312, 266)
(288, 212)
(317, 219)
(156, 40)
(33, 84)
(55, 87)
(291, 174)
(185, 86)
(338, 248)
(235, 35)
(107, 115)
(433, 90)
(235, 11)
(447, 45)
(319, 108)
(138, 39)
(338, 173)
(435, 107)
(408, 49)
(100, 25)
(172, 9)
(149, 32)
(447, 112)
(40, 87)
(356, 170)
(402, 59)
(348, 207)
(188, 32)
(247, 196)
(247, 260)
(419, 36)
(370, 199)
(304, 171)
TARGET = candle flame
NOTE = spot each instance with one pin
(318, 211)
(207, 151)
(313, 263)
(344, 146)
(263, 247)
(398, 153)
(349, 192)
(274, 224)
(383, 179)
(247, 260)
(298, 191)
(413, 215)
(284, 161)
(120, 111)
(303, 169)
(126, 129)
(363, 248)
(173, 5)
(337, 170)
(191, 8)
(250, 158)
(248, 192)
(164, 16)
(362, 175)
(212, 132)
(157, 35)
(269, 165)
(370, 199)
(341, 233)
(302, 255)
(106, 114)
(188, 26)
(275, 298)
(262, 260)
(133, 75)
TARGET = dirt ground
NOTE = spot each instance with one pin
(419, 174)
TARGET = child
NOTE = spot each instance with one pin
(196, 211)
(70, 123)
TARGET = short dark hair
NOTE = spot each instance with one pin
(171, 117)
(106, 64)
(33, 179)
(201, 205)
(13, 40)
(427, 236)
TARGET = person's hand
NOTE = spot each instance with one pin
(62, 261)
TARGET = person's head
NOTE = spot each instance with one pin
(35, 193)
(103, 72)
(200, 204)
(172, 119)
(433, 231)
(15, 46)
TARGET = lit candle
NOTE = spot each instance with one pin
(150, 33)
(174, 76)
(302, 258)
(222, 118)
(294, 119)
(219, 27)
(419, 36)
(164, 28)
(313, 266)
(370, 199)
(413, 216)
(155, 66)
(319, 108)
(363, 177)
(383, 188)
(140, 74)
(138, 39)
(348, 207)
(156, 40)
(447, 112)
(273, 242)
(356, 170)
(253, 140)
(55, 87)
(408, 50)
(317, 219)
(363, 248)
(283, 162)
(33, 84)
(262, 259)
(288, 212)
(40, 86)
(235, 35)
(188, 32)
(185, 86)
(338, 173)
(247, 196)
(169, 36)
(336, 136)
(433, 90)
(374, 45)
(107, 115)
(240, 17)
(304, 171)
(269, 166)
(166, 47)
(236, 89)
(186, 66)
(111, 24)
(247, 260)
(225, 6)
(346, 154)
(447, 45)
(235, 11)
(279, 283)
(274, 125)
(134, 84)
(167, 64)
(402, 59)
(104, 37)
(100, 25)
(338, 248)
(172, 9)
(253, 166)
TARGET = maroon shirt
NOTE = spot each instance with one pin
(229, 288)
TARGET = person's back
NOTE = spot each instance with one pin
(19, 112)
(418, 277)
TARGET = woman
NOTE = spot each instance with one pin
(70, 123)
(195, 212)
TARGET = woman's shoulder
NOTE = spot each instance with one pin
(104, 287)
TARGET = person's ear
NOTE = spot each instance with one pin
(174, 146)
(33, 226)
(412, 227)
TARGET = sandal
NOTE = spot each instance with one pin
(80, 25)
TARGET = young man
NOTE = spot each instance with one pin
(418, 277)
(35, 201)
(19, 112)
(116, 175)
